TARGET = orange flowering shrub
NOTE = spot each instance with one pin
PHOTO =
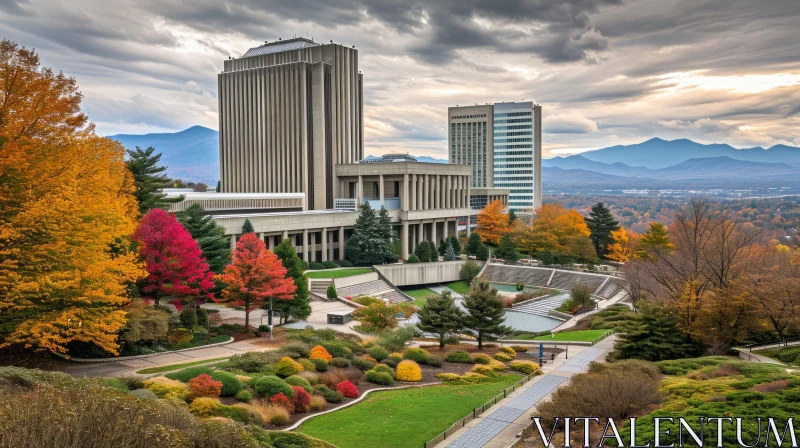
(319, 352)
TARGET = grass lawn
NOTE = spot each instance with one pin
(420, 295)
(402, 418)
(177, 366)
(577, 336)
(788, 355)
(338, 273)
(460, 287)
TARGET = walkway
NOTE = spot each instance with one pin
(319, 317)
(502, 422)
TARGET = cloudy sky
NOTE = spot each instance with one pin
(605, 71)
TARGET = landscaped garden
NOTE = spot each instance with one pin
(338, 273)
(789, 355)
(572, 336)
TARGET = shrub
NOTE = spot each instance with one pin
(272, 414)
(520, 286)
(409, 370)
(144, 394)
(378, 352)
(413, 259)
(202, 317)
(435, 361)
(526, 367)
(204, 386)
(363, 363)
(395, 340)
(179, 336)
(252, 361)
(367, 300)
(188, 317)
(295, 380)
(287, 367)
(381, 378)
(347, 389)
(320, 365)
(459, 356)
(481, 358)
(340, 362)
(331, 292)
(509, 351)
(307, 364)
(184, 375)
(393, 359)
(448, 377)
(467, 378)
(331, 396)
(301, 349)
(337, 349)
(520, 348)
(483, 369)
(317, 403)
(230, 384)
(329, 265)
(301, 399)
(166, 388)
(280, 399)
(469, 270)
(311, 377)
(346, 263)
(319, 352)
(384, 368)
(500, 356)
(244, 396)
(315, 265)
(270, 385)
(205, 407)
(417, 354)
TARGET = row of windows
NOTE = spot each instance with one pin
(523, 191)
(511, 153)
(514, 178)
(510, 184)
(513, 126)
(513, 114)
(511, 147)
(499, 135)
(461, 117)
(516, 172)
(514, 159)
(513, 120)
(513, 140)
(507, 166)
(521, 198)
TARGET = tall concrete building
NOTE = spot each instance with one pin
(503, 144)
(289, 112)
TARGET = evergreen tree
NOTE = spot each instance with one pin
(247, 227)
(473, 244)
(449, 254)
(443, 245)
(656, 338)
(483, 252)
(209, 235)
(299, 307)
(440, 316)
(485, 313)
(427, 252)
(601, 223)
(371, 242)
(507, 250)
(456, 244)
(149, 178)
(219, 189)
(511, 217)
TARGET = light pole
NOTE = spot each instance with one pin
(269, 319)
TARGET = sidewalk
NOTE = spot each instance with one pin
(499, 426)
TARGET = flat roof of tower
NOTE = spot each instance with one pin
(280, 46)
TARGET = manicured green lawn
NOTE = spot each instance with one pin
(402, 418)
(420, 295)
(577, 336)
(177, 366)
(460, 287)
(338, 273)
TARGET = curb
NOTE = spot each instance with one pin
(126, 358)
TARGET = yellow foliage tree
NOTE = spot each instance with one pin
(554, 228)
(492, 223)
(66, 214)
(624, 245)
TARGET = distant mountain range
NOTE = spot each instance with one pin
(193, 155)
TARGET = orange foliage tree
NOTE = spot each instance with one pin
(255, 275)
(66, 215)
(624, 246)
(492, 223)
(554, 228)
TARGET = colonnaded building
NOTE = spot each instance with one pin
(291, 122)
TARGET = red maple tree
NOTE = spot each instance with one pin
(172, 258)
(255, 275)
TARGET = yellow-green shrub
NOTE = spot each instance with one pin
(287, 367)
(509, 351)
(482, 358)
(164, 387)
(205, 407)
(317, 403)
(526, 367)
(408, 370)
(500, 356)
(307, 364)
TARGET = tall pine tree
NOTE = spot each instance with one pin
(386, 235)
(247, 227)
(371, 242)
(485, 313)
(507, 250)
(440, 316)
(473, 244)
(601, 223)
(299, 307)
(455, 243)
(149, 178)
(209, 235)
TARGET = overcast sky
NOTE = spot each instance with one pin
(605, 71)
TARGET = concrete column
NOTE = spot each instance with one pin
(271, 243)
(284, 235)
(325, 244)
(360, 192)
(404, 241)
(434, 240)
(305, 246)
(468, 218)
(426, 195)
(446, 233)
(420, 233)
(413, 192)
(233, 242)
(261, 236)
(381, 195)
(341, 243)
(404, 199)
(448, 193)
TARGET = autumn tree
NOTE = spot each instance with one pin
(66, 215)
(485, 313)
(149, 179)
(775, 285)
(254, 275)
(656, 239)
(553, 229)
(441, 317)
(209, 235)
(624, 246)
(601, 223)
(299, 306)
(492, 223)
(174, 262)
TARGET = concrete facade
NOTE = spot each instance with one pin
(423, 273)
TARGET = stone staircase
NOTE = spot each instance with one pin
(319, 288)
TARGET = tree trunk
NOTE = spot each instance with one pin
(441, 341)
(480, 341)
(246, 315)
